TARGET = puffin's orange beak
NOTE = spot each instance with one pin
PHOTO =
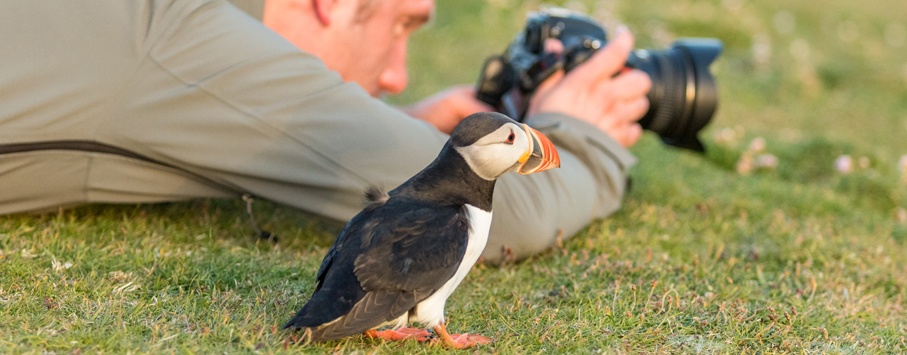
(540, 155)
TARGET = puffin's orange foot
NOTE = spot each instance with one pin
(460, 341)
(463, 341)
(399, 334)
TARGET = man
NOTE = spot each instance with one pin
(144, 101)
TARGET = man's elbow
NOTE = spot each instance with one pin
(513, 243)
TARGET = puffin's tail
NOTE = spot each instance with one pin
(298, 322)
(322, 332)
(313, 314)
(318, 318)
(374, 309)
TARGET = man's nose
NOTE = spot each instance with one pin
(394, 78)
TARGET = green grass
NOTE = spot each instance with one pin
(797, 257)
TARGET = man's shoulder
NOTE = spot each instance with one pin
(254, 8)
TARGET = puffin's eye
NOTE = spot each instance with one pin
(510, 138)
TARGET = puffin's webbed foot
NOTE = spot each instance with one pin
(460, 341)
(399, 334)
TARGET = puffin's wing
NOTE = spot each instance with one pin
(406, 255)
(418, 251)
(385, 261)
(375, 198)
(336, 288)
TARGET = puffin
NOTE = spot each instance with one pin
(398, 260)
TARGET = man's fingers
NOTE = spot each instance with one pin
(549, 83)
(633, 134)
(626, 134)
(630, 84)
(610, 59)
(631, 110)
(553, 46)
(464, 97)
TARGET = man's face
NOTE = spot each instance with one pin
(371, 45)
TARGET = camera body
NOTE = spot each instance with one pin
(683, 97)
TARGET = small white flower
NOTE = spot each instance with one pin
(745, 164)
(726, 136)
(844, 164)
(58, 266)
(766, 161)
(761, 50)
(757, 145)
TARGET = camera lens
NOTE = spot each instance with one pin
(683, 95)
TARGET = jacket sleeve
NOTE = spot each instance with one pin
(278, 124)
(532, 212)
(229, 106)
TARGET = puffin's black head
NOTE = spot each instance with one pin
(493, 144)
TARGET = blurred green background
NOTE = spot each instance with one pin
(816, 85)
(789, 70)
(788, 236)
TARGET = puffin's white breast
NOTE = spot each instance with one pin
(430, 312)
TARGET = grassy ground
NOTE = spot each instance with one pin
(761, 245)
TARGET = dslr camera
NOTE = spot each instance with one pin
(683, 95)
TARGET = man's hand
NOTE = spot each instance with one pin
(593, 93)
(447, 108)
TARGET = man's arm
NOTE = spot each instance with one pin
(339, 141)
(212, 93)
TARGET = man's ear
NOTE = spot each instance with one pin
(323, 10)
